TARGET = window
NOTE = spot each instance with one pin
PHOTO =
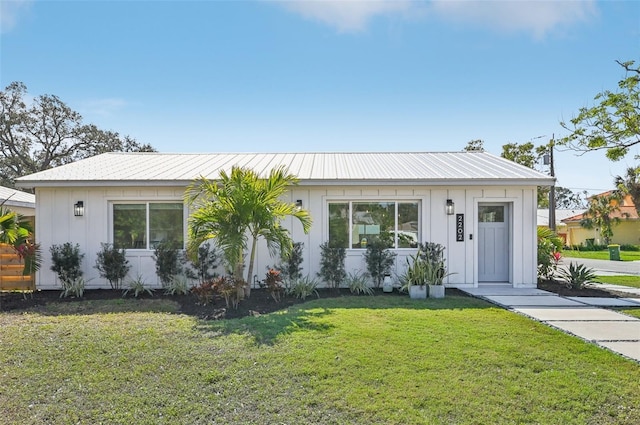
(144, 225)
(356, 224)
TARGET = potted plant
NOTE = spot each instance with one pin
(414, 279)
(435, 270)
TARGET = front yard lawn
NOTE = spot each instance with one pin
(356, 360)
(632, 281)
(601, 255)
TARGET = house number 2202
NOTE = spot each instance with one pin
(459, 227)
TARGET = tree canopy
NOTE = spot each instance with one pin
(45, 133)
(613, 123)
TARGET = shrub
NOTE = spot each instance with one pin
(230, 289)
(112, 264)
(289, 267)
(137, 287)
(626, 247)
(549, 247)
(205, 291)
(357, 283)
(379, 261)
(178, 285)
(205, 264)
(304, 287)
(66, 259)
(576, 275)
(73, 288)
(168, 260)
(332, 265)
(273, 283)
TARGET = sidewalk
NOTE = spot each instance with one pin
(583, 317)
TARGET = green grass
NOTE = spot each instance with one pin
(351, 360)
(632, 281)
(601, 255)
(635, 312)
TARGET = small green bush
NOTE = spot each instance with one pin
(332, 265)
(304, 287)
(358, 283)
(137, 287)
(65, 262)
(576, 275)
(290, 265)
(178, 285)
(112, 264)
(73, 288)
(379, 261)
(168, 258)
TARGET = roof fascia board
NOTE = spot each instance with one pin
(362, 182)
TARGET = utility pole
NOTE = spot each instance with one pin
(552, 189)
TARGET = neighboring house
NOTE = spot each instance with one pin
(561, 227)
(16, 200)
(625, 233)
(136, 199)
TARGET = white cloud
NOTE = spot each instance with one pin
(350, 15)
(535, 16)
(10, 12)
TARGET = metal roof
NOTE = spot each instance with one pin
(17, 198)
(436, 168)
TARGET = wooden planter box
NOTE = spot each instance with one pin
(11, 268)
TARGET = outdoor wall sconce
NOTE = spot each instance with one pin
(78, 209)
(450, 208)
(299, 204)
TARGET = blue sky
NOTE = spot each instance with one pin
(256, 76)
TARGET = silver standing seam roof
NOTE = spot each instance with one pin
(17, 198)
(330, 168)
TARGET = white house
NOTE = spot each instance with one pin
(481, 207)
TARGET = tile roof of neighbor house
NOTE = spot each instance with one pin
(626, 210)
(469, 168)
(17, 198)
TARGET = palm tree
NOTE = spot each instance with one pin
(630, 184)
(240, 208)
(600, 214)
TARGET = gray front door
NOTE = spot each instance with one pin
(493, 243)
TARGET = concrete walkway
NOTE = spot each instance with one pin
(583, 317)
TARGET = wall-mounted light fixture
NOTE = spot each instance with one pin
(299, 203)
(451, 207)
(78, 209)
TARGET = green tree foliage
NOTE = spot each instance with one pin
(529, 155)
(332, 265)
(16, 230)
(476, 145)
(47, 133)
(379, 261)
(238, 209)
(630, 184)
(66, 262)
(600, 215)
(613, 123)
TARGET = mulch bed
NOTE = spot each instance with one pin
(259, 303)
(561, 289)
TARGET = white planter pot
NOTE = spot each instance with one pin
(387, 288)
(418, 292)
(436, 291)
(387, 284)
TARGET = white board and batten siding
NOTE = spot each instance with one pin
(468, 179)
